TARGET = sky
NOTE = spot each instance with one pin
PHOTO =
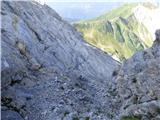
(97, 0)
(85, 9)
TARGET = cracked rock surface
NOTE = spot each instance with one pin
(139, 84)
(48, 71)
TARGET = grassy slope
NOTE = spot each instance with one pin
(116, 32)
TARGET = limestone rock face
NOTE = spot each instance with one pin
(138, 84)
(48, 71)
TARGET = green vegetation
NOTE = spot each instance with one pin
(117, 32)
(66, 113)
(87, 118)
(75, 118)
(130, 118)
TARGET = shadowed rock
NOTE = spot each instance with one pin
(138, 84)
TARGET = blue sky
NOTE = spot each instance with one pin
(83, 10)
(99, 0)
(86, 9)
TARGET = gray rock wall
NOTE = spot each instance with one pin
(139, 84)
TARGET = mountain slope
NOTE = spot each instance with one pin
(48, 71)
(120, 32)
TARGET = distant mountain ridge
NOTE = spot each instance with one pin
(122, 31)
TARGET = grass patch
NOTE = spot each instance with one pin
(130, 118)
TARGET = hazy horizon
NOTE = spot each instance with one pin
(84, 10)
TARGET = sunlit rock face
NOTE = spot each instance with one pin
(138, 84)
(48, 71)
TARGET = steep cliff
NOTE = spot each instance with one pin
(48, 71)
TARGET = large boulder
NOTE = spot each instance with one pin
(48, 71)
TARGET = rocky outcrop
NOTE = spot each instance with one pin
(138, 84)
(48, 71)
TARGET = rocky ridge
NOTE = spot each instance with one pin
(138, 84)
